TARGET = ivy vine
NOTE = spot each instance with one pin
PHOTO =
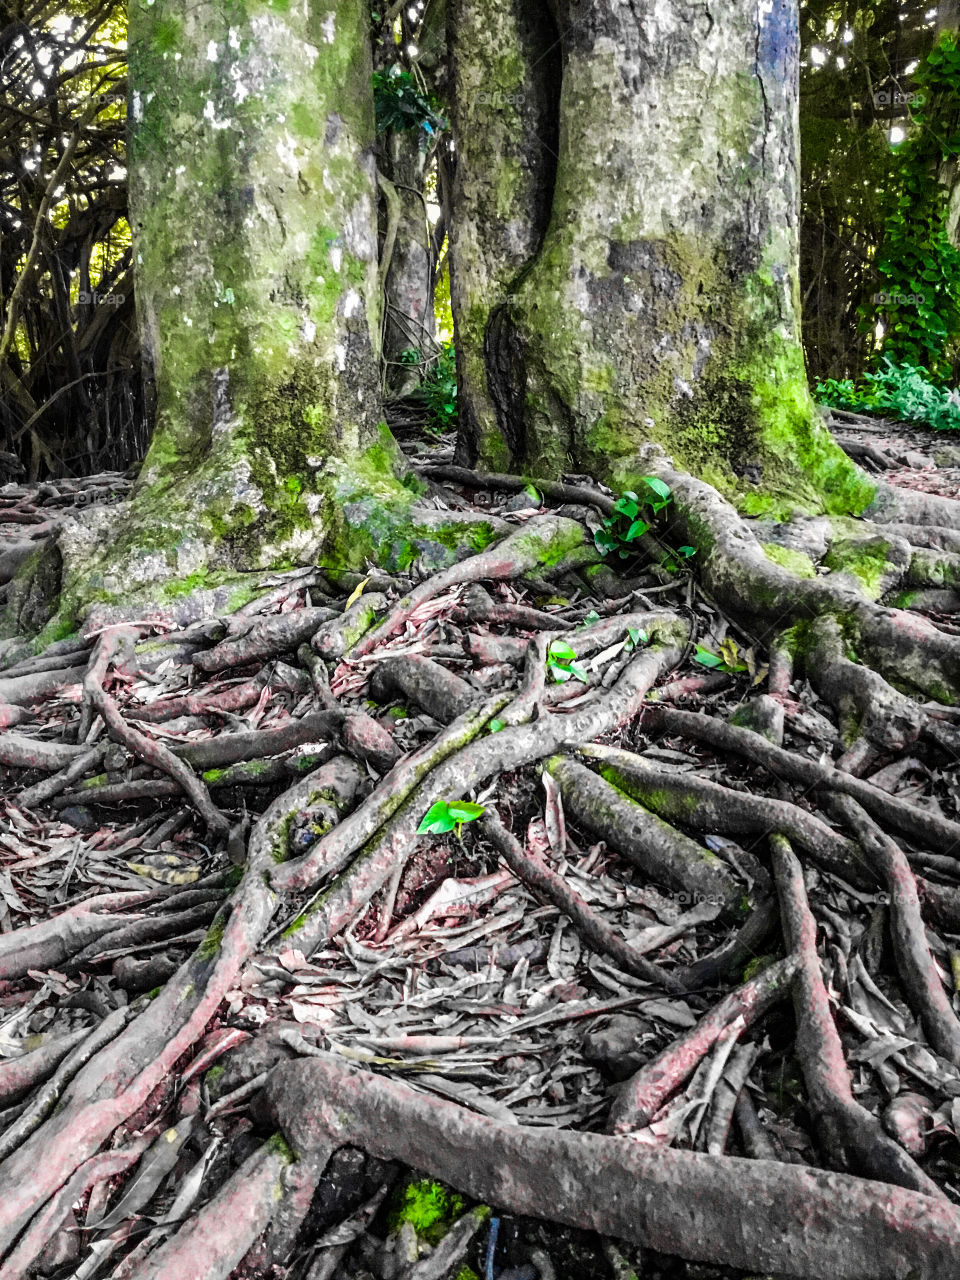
(920, 300)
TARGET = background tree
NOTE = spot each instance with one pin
(878, 127)
(71, 396)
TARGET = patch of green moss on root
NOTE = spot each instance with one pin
(867, 561)
(672, 808)
(212, 941)
(795, 561)
(374, 519)
(429, 1206)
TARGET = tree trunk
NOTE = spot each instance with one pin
(506, 74)
(408, 290)
(254, 214)
(663, 303)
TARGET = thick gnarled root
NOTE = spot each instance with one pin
(754, 1214)
(331, 845)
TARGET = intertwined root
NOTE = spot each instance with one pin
(73, 1100)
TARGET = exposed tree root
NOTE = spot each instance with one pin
(547, 540)
(646, 1092)
(898, 813)
(918, 972)
(658, 849)
(759, 1215)
(547, 884)
(850, 1134)
(335, 870)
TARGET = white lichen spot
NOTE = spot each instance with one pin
(210, 113)
(336, 257)
(175, 291)
(181, 168)
(328, 28)
(340, 356)
(287, 154)
(352, 304)
(233, 39)
(313, 461)
(188, 322)
(308, 331)
(212, 51)
(137, 106)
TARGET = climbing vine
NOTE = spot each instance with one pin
(920, 301)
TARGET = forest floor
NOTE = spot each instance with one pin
(513, 975)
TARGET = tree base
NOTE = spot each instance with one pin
(193, 547)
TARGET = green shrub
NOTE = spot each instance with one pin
(438, 391)
(902, 391)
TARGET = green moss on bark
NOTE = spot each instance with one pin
(795, 561)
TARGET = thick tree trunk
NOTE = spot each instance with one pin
(506, 74)
(254, 213)
(663, 304)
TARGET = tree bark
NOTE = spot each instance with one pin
(663, 303)
(254, 213)
(408, 288)
(505, 58)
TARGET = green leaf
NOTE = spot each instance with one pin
(626, 507)
(466, 810)
(579, 672)
(496, 725)
(637, 636)
(604, 542)
(658, 487)
(561, 674)
(560, 649)
(707, 659)
(686, 552)
(437, 819)
(636, 530)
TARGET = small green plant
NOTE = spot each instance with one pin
(438, 390)
(635, 638)
(562, 663)
(902, 390)
(496, 725)
(628, 523)
(726, 660)
(674, 560)
(443, 816)
(399, 104)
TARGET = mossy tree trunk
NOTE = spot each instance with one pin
(505, 62)
(663, 302)
(254, 214)
(408, 289)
